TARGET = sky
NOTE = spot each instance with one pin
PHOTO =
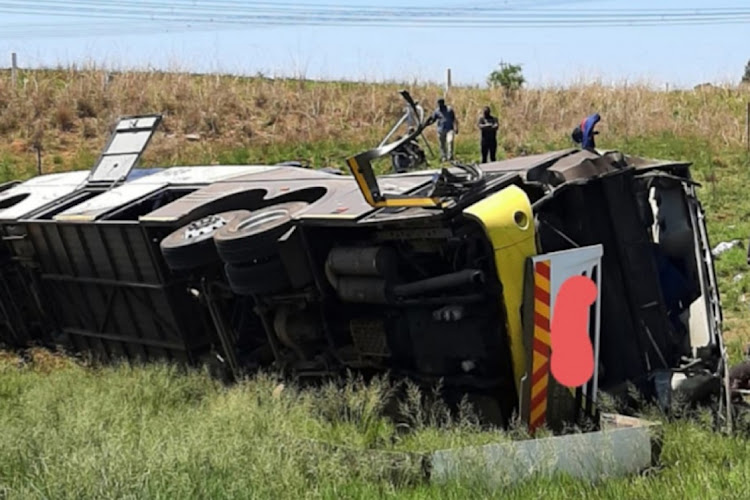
(677, 56)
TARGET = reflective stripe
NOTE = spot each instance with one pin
(541, 345)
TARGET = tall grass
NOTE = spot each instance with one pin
(71, 431)
(68, 111)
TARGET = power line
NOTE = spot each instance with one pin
(253, 5)
(180, 15)
(181, 9)
(220, 5)
(376, 22)
(121, 30)
(27, 31)
(305, 18)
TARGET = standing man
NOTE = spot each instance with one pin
(447, 128)
(488, 126)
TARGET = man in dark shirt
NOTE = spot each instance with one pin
(447, 128)
(488, 126)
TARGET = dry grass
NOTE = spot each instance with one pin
(68, 112)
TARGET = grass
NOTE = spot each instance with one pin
(66, 112)
(68, 431)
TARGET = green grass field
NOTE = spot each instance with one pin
(78, 433)
(68, 431)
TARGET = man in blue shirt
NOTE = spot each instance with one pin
(447, 128)
(584, 133)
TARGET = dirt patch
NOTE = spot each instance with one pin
(39, 359)
(19, 146)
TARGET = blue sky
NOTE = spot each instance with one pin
(676, 55)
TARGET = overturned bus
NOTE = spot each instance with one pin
(446, 275)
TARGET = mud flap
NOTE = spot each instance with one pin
(542, 400)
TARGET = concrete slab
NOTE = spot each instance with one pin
(623, 447)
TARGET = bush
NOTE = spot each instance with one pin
(507, 76)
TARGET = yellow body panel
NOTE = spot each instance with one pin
(509, 223)
(387, 202)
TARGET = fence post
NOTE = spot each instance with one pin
(38, 159)
(13, 68)
(447, 80)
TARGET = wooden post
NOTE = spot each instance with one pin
(447, 80)
(38, 159)
(13, 68)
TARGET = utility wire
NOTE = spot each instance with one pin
(222, 6)
(150, 28)
(180, 15)
(305, 18)
(91, 7)
(227, 5)
(252, 5)
(374, 22)
(178, 10)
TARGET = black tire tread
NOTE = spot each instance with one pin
(190, 257)
(237, 246)
(257, 279)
